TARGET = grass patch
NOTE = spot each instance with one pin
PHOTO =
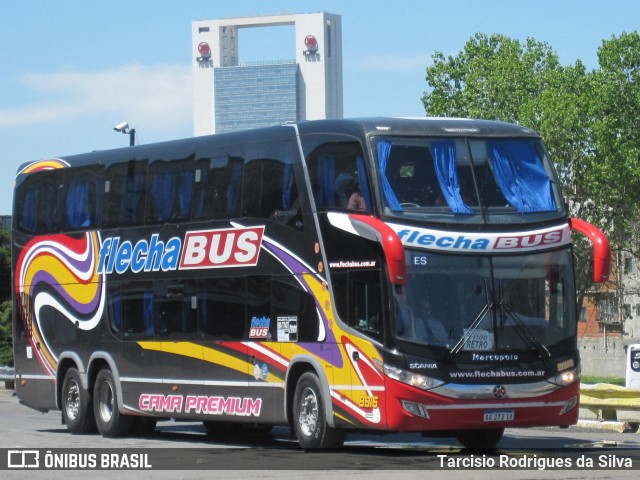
(609, 380)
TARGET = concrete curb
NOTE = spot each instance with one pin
(620, 427)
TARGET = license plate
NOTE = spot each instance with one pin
(499, 415)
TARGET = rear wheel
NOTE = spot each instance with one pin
(77, 408)
(110, 422)
(480, 438)
(309, 416)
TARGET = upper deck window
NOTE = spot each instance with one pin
(337, 171)
(500, 180)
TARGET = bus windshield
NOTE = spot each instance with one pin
(497, 180)
(487, 304)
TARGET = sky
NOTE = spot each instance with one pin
(71, 70)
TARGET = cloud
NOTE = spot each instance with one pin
(158, 95)
(392, 63)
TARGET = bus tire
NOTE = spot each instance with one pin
(309, 416)
(488, 438)
(77, 408)
(109, 420)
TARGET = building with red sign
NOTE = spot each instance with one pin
(230, 95)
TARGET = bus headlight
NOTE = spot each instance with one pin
(410, 378)
(565, 378)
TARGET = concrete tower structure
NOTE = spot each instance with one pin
(228, 95)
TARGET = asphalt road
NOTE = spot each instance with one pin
(184, 450)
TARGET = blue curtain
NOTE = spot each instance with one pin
(287, 186)
(162, 193)
(29, 214)
(326, 181)
(78, 205)
(521, 176)
(364, 184)
(384, 152)
(444, 158)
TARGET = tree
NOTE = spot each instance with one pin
(493, 77)
(5, 265)
(6, 344)
(6, 347)
(616, 143)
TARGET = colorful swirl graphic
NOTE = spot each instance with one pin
(59, 272)
(51, 164)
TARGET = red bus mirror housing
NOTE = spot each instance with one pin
(374, 229)
(601, 249)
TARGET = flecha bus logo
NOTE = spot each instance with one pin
(229, 247)
(225, 247)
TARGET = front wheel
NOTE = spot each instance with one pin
(77, 408)
(110, 422)
(309, 417)
(476, 439)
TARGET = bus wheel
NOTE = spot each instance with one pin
(309, 418)
(110, 422)
(77, 409)
(480, 438)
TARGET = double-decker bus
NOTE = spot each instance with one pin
(375, 274)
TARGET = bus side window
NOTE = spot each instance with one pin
(38, 202)
(221, 308)
(175, 309)
(269, 189)
(170, 190)
(137, 310)
(83, 192)
(114, 308)
(124, 189)
(294, 313)
(366, 303)
(336, 169)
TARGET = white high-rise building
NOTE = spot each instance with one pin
(228, 95)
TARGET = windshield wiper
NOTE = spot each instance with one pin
(525, 332)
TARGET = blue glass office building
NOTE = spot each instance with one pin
(255, 95)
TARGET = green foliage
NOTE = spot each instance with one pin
(608, 380)
(6, 346)
(5, 265)
(590, 120)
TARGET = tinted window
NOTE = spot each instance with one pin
(175, 309)
(83, 193)
(38, 202)
(338, 173)
(170, 190)
(218, 187)
(269, 189)
(221, 308)
(294, 312)
(124, 189)
(133, 310)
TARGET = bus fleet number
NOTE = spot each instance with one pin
(368, 402)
